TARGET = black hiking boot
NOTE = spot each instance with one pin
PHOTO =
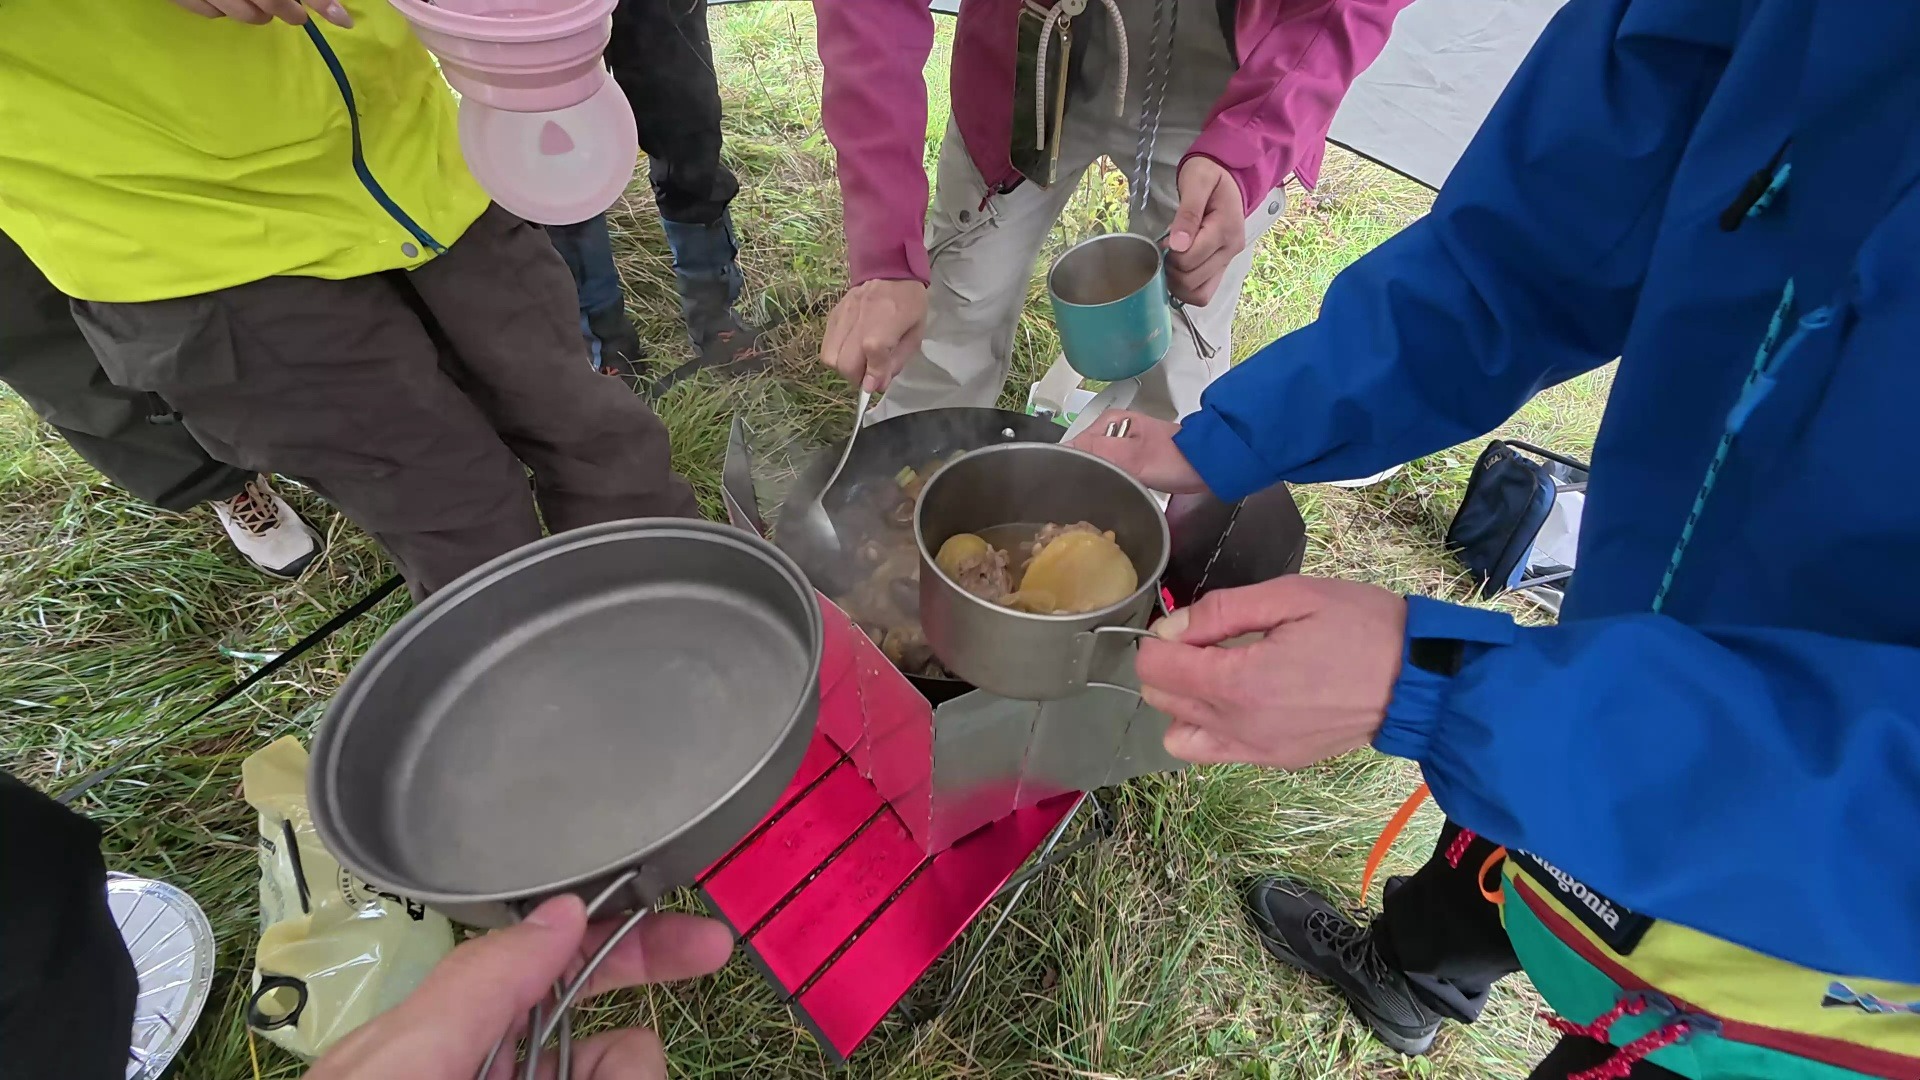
(1300, 927)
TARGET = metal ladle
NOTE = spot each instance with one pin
(813, 519)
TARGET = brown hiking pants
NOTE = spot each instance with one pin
(415, 401)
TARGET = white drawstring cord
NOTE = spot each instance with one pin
(1119, 35)
(1055, 16)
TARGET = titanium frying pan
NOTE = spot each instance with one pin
(606, 712)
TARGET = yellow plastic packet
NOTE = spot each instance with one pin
(333, 952)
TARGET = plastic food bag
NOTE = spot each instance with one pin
(333, 952)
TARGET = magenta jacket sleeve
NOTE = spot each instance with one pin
(874, 107)
(1297, 58)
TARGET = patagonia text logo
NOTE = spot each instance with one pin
(1594, 902)
(1619, 928)
(1842, 996)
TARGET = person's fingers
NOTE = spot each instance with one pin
(1105, 447)
(243, 11)
(1095, 440)
(1130, 454)
(662, 948)
(1229, 613)
(1186, 220)
(1209, 240)
(201, 8)
(287, 11)
(834, 350)
(1198, 287)
(482, 988)
(1203, 746)
(333, 12)
(626, 1054)
(490, 981)
(878, 346)
(1174, 626)
(1180, 707)
(879, 376)
(1174, 670)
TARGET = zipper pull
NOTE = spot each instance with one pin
(1763, 382)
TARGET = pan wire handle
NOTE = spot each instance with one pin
(563, 1010)
(562, 1016)
(499, 1044)
(530, 1068)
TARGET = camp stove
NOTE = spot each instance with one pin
(950, 768)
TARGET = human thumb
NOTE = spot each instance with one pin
(1186, 220)
(1198, 746)
(1230, 617)
(487, 984)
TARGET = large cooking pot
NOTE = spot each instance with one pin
(1018, 654)
(606, 712)
(879, 454)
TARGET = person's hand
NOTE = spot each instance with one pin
(1313, 682)
(873, 329)
(444, 1029)
(1145, 453)
(261, 12)
(1209, 229)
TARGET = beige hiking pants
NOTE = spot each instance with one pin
(982, 248)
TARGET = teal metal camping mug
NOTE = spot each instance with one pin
(1111, 306)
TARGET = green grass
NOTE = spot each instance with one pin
(117, 620)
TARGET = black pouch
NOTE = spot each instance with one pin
(1036, 153)
(1509, 497)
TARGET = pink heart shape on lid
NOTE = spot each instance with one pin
(554, 140)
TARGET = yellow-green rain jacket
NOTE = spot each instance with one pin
(148, 153)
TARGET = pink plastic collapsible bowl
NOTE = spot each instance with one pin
(553, 168)
(519, 55)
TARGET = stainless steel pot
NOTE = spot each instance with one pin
(1013, 653)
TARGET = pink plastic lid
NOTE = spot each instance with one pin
(554, 168)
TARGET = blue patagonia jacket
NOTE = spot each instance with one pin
(1724, 729)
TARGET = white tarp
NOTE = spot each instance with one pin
(1415, 109)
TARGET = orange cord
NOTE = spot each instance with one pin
(1494, 896)
(1395, 826)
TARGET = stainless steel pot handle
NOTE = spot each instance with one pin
(1137, 634)
(1134, 632)
(543, 1023)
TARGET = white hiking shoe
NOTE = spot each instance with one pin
(272, 535)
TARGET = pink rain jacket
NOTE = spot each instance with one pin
(1297, 58)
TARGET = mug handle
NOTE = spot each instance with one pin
(1200, 343)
